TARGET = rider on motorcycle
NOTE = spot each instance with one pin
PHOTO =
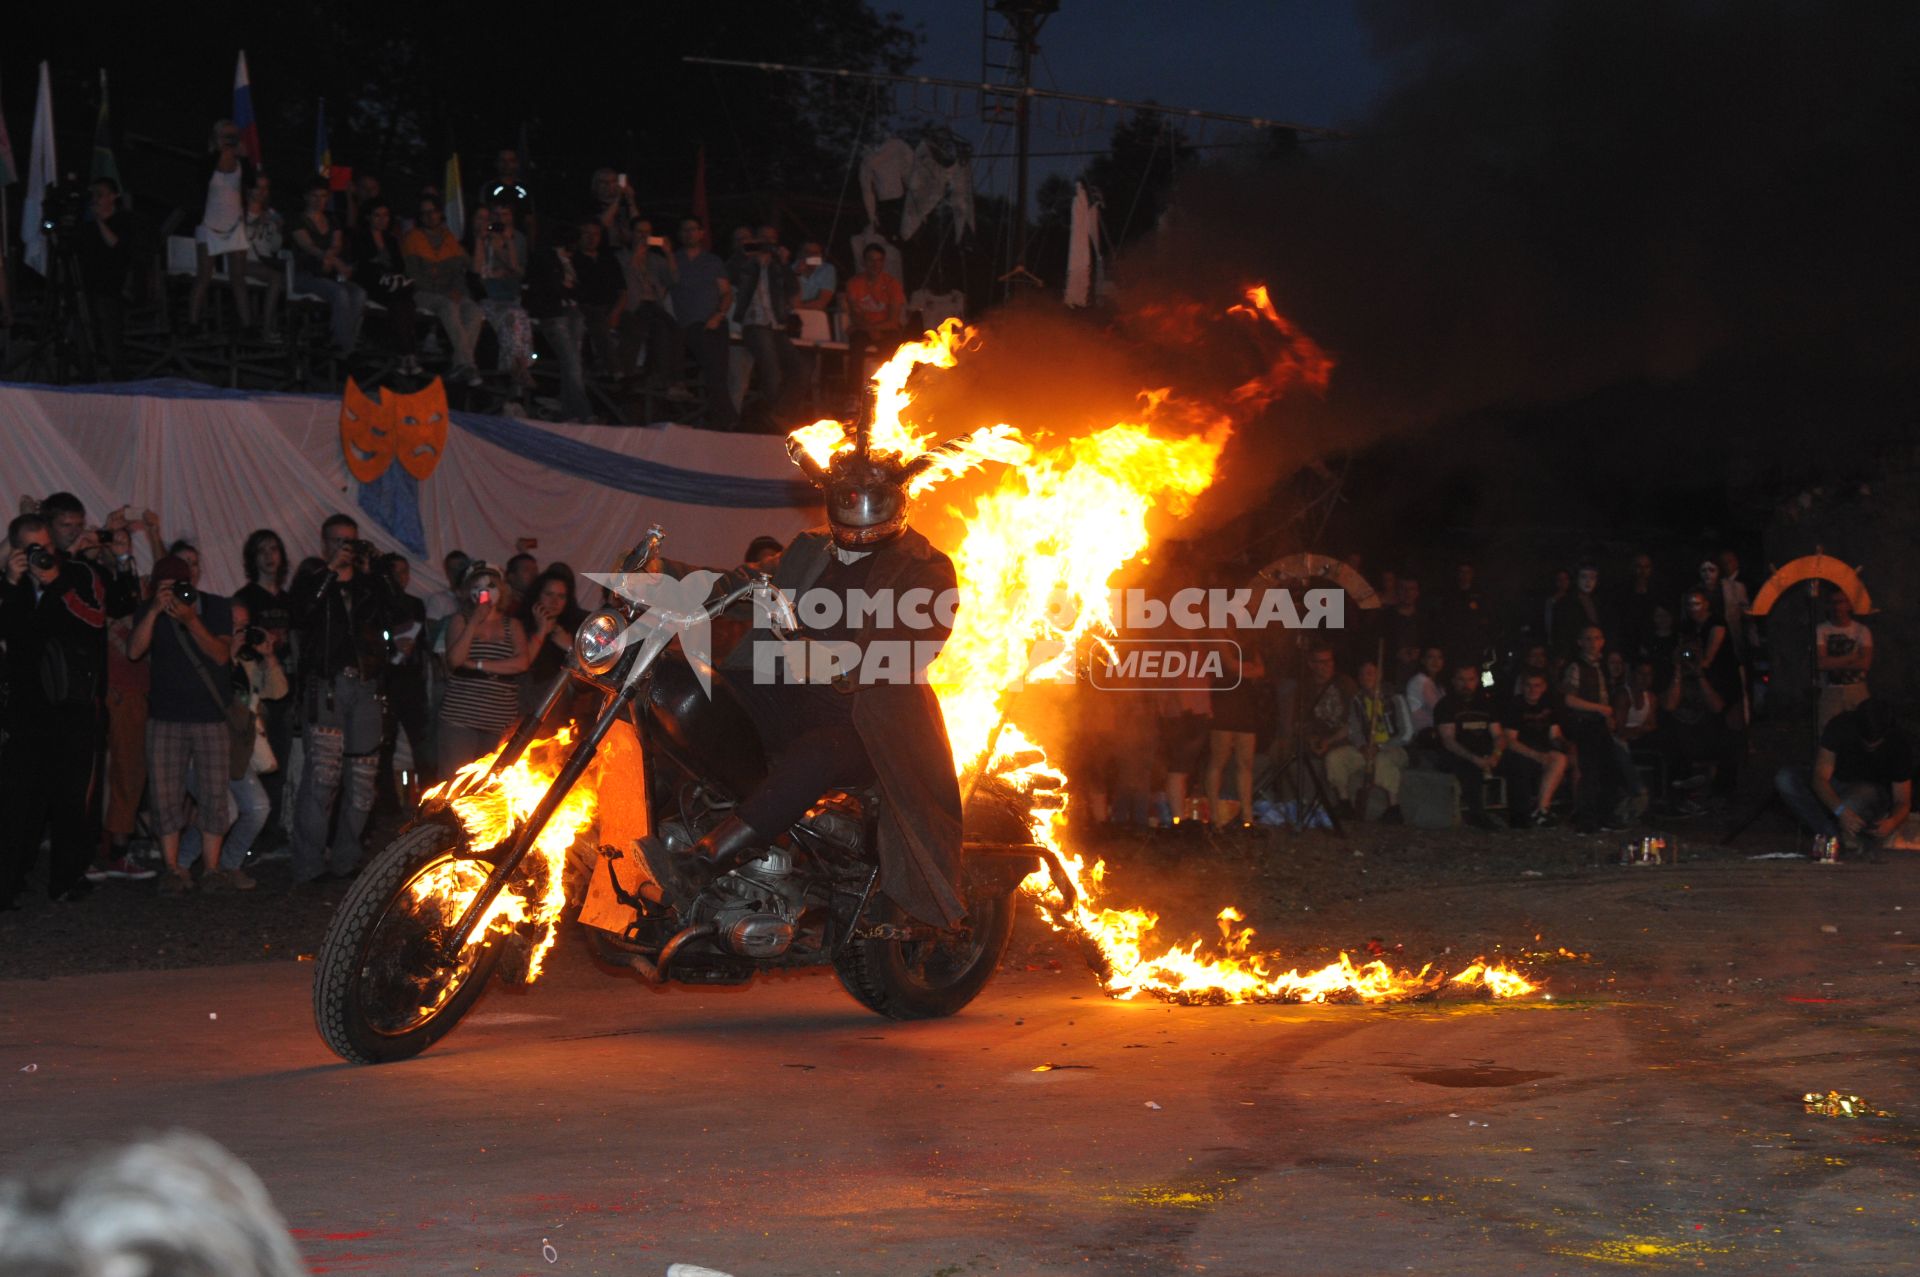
(871, 724)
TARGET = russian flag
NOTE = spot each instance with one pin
(243, 112)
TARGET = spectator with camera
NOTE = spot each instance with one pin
(615, 210)
(438, 266)
(764, 291)
(641, 312)
(381, 266)
(487, 651)
(73, 541)
(53, 621)
(188, 637)
(323, 267)
(340, 609)
(500, 260)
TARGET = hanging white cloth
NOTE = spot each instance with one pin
(1083, 247)
(884, 173)
(935, 180)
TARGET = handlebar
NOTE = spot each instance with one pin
(784, 617)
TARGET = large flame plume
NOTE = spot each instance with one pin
(491, 807)
(1036, 564)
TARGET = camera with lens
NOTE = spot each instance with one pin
(185, 593)
(40, 559)
(253, 641)
(364, 552)
(494, 227)
(62, 205)
(1688, 658)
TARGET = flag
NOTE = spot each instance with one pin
(322, 148)
(104, 165)
(243, 112)
(41, 168)
(9, 171)
(454, 199)
(700, 195)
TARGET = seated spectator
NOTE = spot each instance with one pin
(222, 232)
(266, 238)
(644, 323)
(438, 266)
(1320, 706)
(1860, 787)
(615, 210)
(506, 190)
(701, 296)
(323, 268)
(1586, 697)
(191, 647)
(876, 312)
(763, 294)
(816, 276)
(1379, 729)
(105, 258)
(362, 195)
(500, 260)
(1843, 651)
(1242, 705)
(487, 651)
(1637, 731)
(1536, 752)
(552, 300)
(1537, 660)
(1472, 741)
(1423, 694)
(381, 266)
(600, 282)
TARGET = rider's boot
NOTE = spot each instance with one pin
(726, 847)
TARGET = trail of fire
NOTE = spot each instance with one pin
(1035, 565)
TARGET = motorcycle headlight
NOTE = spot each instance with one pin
(597, 641)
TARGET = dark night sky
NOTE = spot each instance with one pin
(1302, 60)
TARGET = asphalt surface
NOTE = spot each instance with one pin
(1646, 1116)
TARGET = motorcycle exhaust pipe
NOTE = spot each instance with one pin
(654, 970)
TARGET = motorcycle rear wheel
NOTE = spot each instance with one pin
(380, 990)
(928, 979)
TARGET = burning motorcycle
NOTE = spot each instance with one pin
(476, 884)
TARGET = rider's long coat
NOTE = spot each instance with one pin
(901, 726)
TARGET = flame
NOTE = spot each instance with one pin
(1036, 565)
(491, 807)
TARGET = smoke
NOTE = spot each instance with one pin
(1560, 198)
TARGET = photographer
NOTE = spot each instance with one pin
(486, 650)
(189, 638)
(53, 623)
(74, 541)
(500, 260)
(617, 210)
(341, 613)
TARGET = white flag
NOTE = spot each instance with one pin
(41, 167)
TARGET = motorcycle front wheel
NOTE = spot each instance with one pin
(382, 988)
(927, 979)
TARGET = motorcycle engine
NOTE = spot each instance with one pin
(755, 910)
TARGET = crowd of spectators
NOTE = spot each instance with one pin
(1599, 707)
(593, 289)
(144, 713)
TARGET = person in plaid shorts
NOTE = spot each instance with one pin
(188, 637)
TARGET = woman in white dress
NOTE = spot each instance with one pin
(222, 232)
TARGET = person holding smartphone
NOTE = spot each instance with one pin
(487, 650)
(641, 319)
(615, 208)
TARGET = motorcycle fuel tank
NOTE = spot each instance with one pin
(710, 732)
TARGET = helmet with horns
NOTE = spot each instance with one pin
(866, 491)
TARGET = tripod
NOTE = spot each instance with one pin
(1310, 797)
(62, 352)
